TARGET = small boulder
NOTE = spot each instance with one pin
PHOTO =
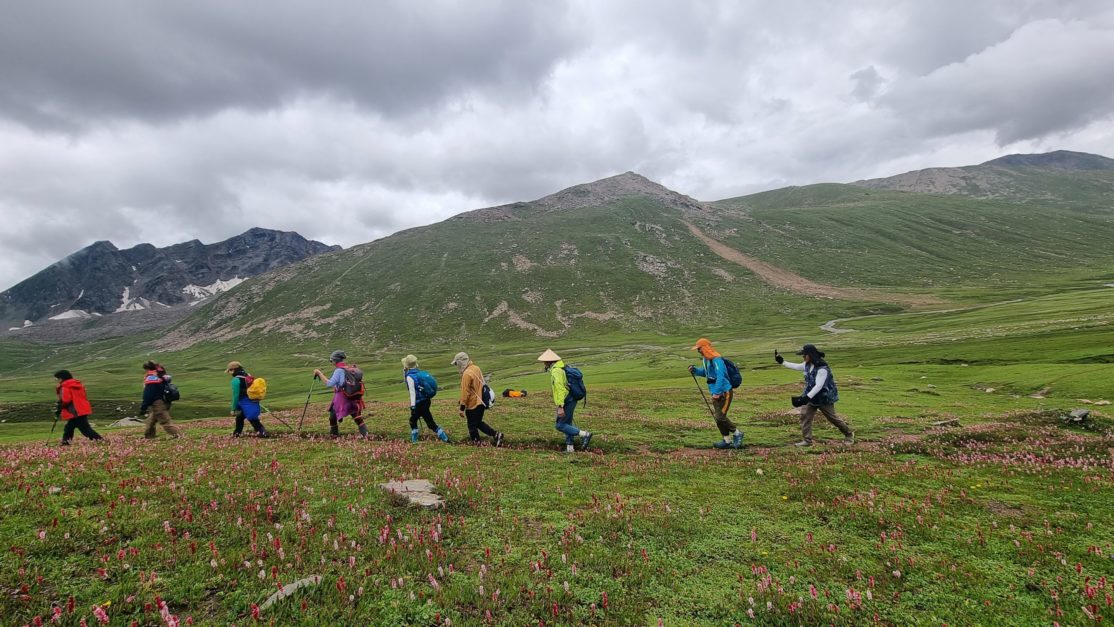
(417, 491)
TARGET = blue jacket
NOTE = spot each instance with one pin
(417, 393)
(716, 374)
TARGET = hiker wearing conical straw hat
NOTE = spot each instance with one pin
(565, 398)
(347, 382)
(472, 401)
(820, 393)
(422, 387)
(715, 374)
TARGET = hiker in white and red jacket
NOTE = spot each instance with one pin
(345, 403)
(820, 393)
(418, 383)
(243, 407)
(154, 399)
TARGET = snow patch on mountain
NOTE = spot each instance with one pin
(127, 303)
(72, 314)
(201, 292)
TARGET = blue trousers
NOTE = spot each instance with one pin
(565, 425)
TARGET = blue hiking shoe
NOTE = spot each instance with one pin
(737, 440)
(721, 444)
(441, 435)
(413, 435)
(584, 441)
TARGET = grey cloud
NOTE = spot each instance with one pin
(200, 119)
(1048, 77)
(68, 64)
(867, 82)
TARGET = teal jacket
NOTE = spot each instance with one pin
(716, 374)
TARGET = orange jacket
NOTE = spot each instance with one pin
(471, 387)
(72, 400)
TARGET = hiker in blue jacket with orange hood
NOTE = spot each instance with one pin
(719, 385)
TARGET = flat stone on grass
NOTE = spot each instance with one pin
(289, 589)
(417, 491)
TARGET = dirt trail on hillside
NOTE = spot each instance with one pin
(784, 279)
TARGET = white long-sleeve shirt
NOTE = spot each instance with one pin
(821, 377)
(413, 391)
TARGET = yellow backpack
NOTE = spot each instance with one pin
(257, 391)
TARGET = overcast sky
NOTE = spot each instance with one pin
(348, 120)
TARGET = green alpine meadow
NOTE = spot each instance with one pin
(965, 315)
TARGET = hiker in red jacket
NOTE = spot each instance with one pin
(73, 407)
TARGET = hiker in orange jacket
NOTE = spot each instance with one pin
(73, 407)
(472, 406)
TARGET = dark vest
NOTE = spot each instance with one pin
(828, 394)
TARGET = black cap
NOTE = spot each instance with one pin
(810, 349)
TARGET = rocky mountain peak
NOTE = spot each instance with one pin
(1057, 160)
(101, 279)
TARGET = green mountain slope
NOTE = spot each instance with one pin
(954, 244)
(608, 257)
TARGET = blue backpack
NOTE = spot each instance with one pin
(575, 379)
(733, 374)
(425, 384)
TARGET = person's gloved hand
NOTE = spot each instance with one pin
(799, 400)
(692, 369)
(777, 357)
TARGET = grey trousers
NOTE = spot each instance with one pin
(808, 412)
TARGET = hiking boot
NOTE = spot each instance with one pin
(721, 445)
(569, 448)
(363, 431)
(64, 443)
(584, 441)
(737, 440)
(441, 435)
(499, 439)
(803, 443)
(849, 440)
(264, 434)
(413, 436)
(236, 435)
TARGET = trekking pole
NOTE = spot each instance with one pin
(309, 394)
(276, 417)
(703, 396)
(52, 425)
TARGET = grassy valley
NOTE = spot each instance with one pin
(968, 498)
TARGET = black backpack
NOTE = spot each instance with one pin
(170, 393)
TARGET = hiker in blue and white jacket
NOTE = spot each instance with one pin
(820, 393)
(418, 383)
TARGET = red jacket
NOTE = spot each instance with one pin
(72, 400)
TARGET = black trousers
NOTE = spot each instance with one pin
(422, 410)
(256, 424)
(81, 423)
(476, 423)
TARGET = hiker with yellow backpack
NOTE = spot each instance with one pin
(247, 392)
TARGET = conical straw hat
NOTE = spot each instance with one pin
(549, 355)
